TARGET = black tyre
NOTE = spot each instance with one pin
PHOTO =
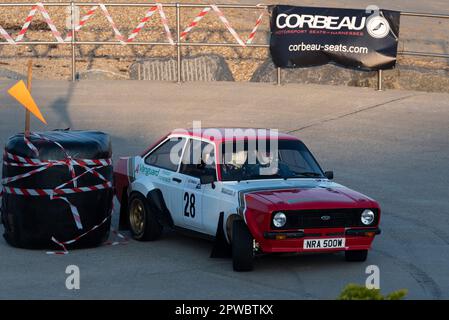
(20, 233)
(142, 221)
(356, 255)
(242, 247)
(11, 234)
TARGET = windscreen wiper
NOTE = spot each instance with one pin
(308, 174)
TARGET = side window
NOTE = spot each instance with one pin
(199, 159)
(167, 155)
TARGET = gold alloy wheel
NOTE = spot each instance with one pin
(137, 216)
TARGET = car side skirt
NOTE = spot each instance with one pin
(193, 234)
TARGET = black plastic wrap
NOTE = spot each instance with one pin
(31, 221)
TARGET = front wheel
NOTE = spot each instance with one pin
(142, 221)
(242, 247)
(356, 255)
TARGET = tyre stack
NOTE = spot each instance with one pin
(31, 216)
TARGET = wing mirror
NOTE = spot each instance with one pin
(329, 175)
(207, 179)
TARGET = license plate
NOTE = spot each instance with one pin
(324, 243)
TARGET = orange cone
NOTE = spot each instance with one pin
(20, 92)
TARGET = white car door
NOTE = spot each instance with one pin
(194, 165)
(161, 168)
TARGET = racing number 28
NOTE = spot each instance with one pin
(189, 208)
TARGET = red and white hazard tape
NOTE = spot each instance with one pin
(55, 194)
(61, 190)
(82, 22)
(225, 21)
(195, 22)
(159, 7)
(118, 35)
(165, 24)
(25, 175)
(142, 23)
(228, 25)
(63, 244)
(26, 24)
(51, 192)
(39, 7)
(50, 23)
(30, 162)
(6, 35)
(31, 146)
(256, 26)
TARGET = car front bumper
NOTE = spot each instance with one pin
(293, 241)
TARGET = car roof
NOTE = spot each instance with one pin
(229, 134)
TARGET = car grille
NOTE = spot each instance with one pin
(329, 218)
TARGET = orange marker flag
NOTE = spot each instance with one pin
(20, 92)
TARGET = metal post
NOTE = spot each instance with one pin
(278, 78)
(28, 114)
(379, 80)
(72, 11)
(178, 43)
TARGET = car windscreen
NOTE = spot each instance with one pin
(265, 159)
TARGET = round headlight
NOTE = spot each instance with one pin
(279, 220)
(367, 217)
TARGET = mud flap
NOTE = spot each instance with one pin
(123, 216)
(221, 248)
(157, 203)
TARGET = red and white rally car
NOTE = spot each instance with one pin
(251, 191)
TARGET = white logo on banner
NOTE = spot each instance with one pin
(378, 27)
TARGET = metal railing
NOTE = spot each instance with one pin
(178, 43)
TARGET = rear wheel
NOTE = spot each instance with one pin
(242, 247)
(356, 255)
(142, 221)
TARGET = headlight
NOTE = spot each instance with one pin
(279, 220)
(367, 217)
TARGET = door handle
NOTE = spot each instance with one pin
(177, 180)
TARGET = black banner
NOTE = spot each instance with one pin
(359, 39)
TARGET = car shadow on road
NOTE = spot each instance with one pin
(203, 247)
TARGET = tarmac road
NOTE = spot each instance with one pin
(393, 146)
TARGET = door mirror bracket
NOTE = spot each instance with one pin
(208, 179)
